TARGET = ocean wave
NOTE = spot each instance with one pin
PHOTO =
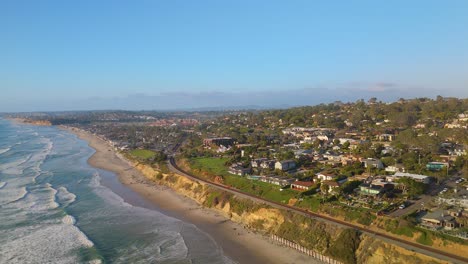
(107, 194)
(65, 197)
(15, 167)
(4, 150)
(51, 243)
(13, 195)
(169, 247)
(2, 184)
(71, 221)
(52, 203)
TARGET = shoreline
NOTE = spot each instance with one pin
(238, 243)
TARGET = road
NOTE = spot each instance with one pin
(385, 237)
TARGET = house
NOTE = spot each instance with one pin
(263, 163)
(458, 198)
(372, 163)
(325, 176)
(395, 168)
(256, 163)
(276, 180)
(302, 152)
(238, 169)
(437, 166)
(332, 185)
(386, 137)
(302, 185)
(285, 165)
(439, 219)
(417, 177)
(218, 141)
(371, 190)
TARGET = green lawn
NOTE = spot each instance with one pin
(143, 154)
(212, 165)
(217, 166)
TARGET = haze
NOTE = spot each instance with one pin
(83, 55)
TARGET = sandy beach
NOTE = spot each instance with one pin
(238, 243)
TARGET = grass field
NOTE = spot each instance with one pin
(143, 154)
(217, 166)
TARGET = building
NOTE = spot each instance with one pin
(238, 169)
(276, 180)
(371, 190)
(302, 185)
(439, 219)
(218, 141)
(437, 166)
(386, 137)
(325, 176)
(417, 177)
(263, 163)
(333, 185)
(285, 165)
(458, 198)
(395, 168)
(372, 163)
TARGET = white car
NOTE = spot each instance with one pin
(402, 206)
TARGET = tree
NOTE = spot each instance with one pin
(324, 188)
(412, 187)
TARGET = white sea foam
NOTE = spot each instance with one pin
(2, 184)
(170, 247)
(52, 203)
(69, 220)
(10, 195)
(64, 197)
(42, 244)
(14, 167)
(5, 150)
(107, 194)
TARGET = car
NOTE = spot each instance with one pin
(402, 206)
(445, 189)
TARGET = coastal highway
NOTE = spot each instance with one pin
(426, 250)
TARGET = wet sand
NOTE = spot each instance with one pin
(238, 243)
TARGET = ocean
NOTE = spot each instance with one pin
(54, 209)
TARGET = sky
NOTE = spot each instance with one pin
(173, 54)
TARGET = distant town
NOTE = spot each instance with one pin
(400, 168)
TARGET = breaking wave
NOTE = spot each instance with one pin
(5, 150)
(64, 197)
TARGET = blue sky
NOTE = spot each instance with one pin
(65, 55)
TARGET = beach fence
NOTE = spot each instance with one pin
(306, 251)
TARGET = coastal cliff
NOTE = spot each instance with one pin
(342, 244)
(32, 121)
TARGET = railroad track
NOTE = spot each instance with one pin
(394, 240)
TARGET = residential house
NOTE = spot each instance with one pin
(439, 219)
(386, 137)
(332, 185)
(372, 163)
(325, 176)
(395, 168)
(371, 190)
(285, 165)
(417, 177)
(276, 180)
(458, 198)
(238, 169)
(218, 141)
(302, 185)
(437, 166)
